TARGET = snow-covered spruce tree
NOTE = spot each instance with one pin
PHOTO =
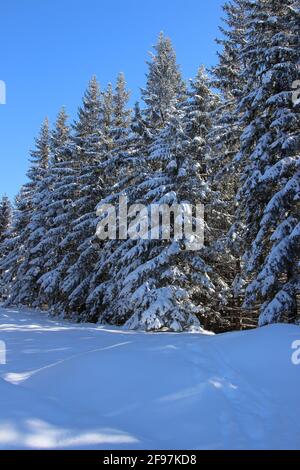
(5, 217)
(107, 115)
(115, 129)
(5, 225)
(270, 193)
(199, 120)
(23, 264)
(115, 120)
(12, 248)
(85, 184)
(60, 181)
(227, 73)
(121, 115)
(175, 287)
(159, 283)
(125, 170)
(38, 246)
(164, 83)
(229, 79)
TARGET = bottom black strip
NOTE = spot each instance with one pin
(133, 459)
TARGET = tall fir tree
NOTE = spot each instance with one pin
(12, 248)
(164, 89)
(5, 217)
(114, 129)
(60, 181)
(86, 188)
(164, 83)
(229, 77)
(173, 286)
(124, 169)
(23, 267)
(121, 115)
(5, 225)
(268, 215)
(159, 283)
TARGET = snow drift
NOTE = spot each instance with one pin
(71, 386)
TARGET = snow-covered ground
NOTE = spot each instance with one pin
(85, 386)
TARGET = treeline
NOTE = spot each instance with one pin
(229, 139)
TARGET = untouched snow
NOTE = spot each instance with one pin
(71, 386)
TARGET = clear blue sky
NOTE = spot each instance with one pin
(51, 48)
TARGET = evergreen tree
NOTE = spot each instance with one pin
(122, 115)
(164, 89)
(268, 212)
(116, 124)
(60, 181)
(160, 283)
(5, 225)
(86, 186)
(117, 168)
(5, 217)
(125, 169)
(12, 247)
(164, 83)
(107, 112)
(21, 265)
(229, 78)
